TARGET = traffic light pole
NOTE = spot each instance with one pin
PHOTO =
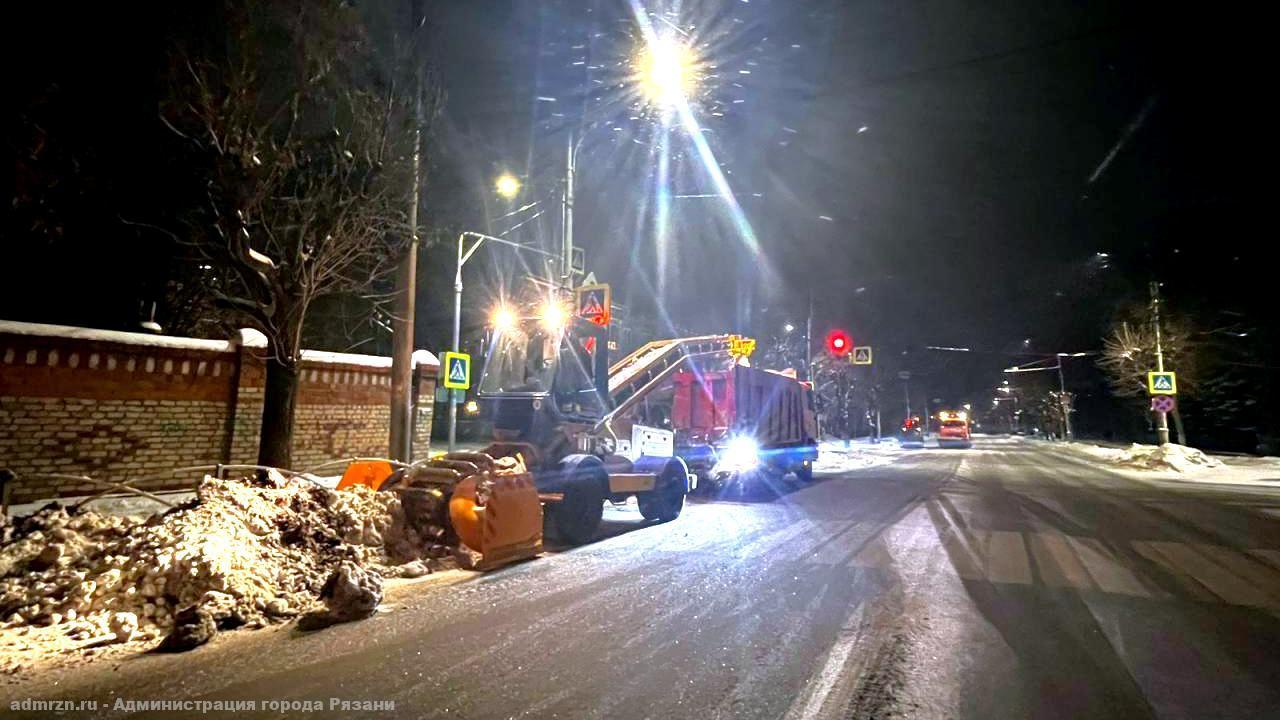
(1062, 402)
(1162, 418)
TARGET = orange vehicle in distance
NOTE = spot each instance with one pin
(953, 429)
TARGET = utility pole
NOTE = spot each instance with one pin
(566, 239)
(808, 341)
(402, 320)
(1162, 419)
(1062, 402)
(906, 386)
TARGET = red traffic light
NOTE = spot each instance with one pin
(839, 343)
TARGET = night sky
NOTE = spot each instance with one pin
(932, 172)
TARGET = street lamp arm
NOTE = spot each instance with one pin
(480, 239)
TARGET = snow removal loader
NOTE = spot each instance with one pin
(570, 431)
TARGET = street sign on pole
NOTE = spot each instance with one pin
(593, 303)
(904, 374)
(1162, 383)
(457, 371)
(862, 355)
(1163, 403)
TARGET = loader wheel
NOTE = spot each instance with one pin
(577, 517)
(666, 500)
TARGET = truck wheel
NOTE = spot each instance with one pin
(577, 517)
(666, 500)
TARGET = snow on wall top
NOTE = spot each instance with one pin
(247, 337)
(8, 327)
(421, 358)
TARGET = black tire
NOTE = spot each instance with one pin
(666, 500)
(577, 517)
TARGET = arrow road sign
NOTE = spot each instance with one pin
(1162, 383)
(457, 371)
(862, 355)
(1163, 403)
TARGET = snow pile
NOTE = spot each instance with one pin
(835, 456)
(1171, 456)
(244, 551)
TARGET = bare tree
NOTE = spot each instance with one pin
(300, 143)
(1129, 353)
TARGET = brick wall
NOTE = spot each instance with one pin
(122, 405)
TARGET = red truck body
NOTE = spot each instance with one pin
(775, 410)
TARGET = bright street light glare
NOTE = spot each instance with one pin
(666, 71)
(554, 317)
(503, 319)
(507, 185)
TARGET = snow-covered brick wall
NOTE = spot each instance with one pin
(120, 406)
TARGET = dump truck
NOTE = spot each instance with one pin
(743, 423)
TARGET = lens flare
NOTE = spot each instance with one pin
(666, 71)
(507, 185)
(503, 319)
(554, 316)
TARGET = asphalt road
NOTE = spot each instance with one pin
(1005, 581)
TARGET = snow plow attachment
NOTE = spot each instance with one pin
(370, 473)
(498, 514)
(492, 505)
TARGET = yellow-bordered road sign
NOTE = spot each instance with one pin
(457, 371)
(740, 347)
(1162, 383)
(862, 355)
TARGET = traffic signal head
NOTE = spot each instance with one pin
(839, 343)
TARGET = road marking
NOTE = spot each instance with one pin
(1058, 563)
(1007, 559)
(818, 689)
(1105, 569)
(1208, 567)
(966, 557)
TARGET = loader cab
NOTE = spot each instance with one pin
(545, 373)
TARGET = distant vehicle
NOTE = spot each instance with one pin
(912, 433)
(953, 429)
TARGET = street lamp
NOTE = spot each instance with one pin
(507, 185)
(666, 71)
(788, 328)
(503, 319)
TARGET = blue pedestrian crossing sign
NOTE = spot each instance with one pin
(457, 371)
(1162, 383)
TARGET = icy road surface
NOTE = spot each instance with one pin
(1006, 581)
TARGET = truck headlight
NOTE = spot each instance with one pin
(742, 453)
